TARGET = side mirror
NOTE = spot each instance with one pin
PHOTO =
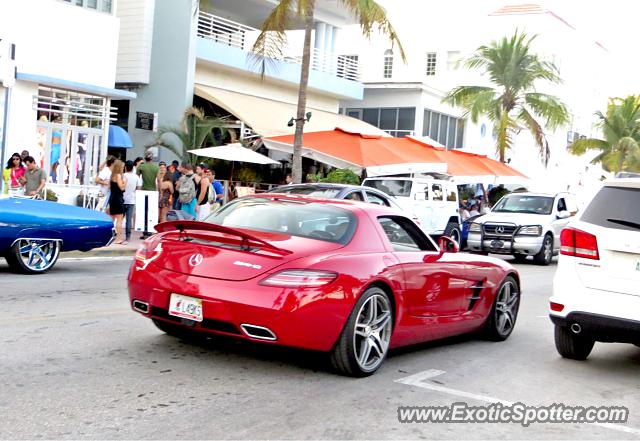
(564, 215)
(448, 245)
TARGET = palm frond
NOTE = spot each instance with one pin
(526, 119)
(476, 100)
(270, 44)
(548, 107)
(581, 146)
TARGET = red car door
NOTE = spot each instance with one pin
(433, 290)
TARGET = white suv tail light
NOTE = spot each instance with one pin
(579, 243)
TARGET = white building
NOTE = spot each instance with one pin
(56, 104)
(405, 99)
(174, 58)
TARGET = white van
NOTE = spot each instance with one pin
(433, 202)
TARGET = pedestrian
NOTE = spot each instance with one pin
(35, 179)
(14, 179)
(186, 187)
(136, 163)
(203, 187)
(24, 155)
(118, 185)
(175, 169)
(149, 172)
(165, 188)
(464, 213)
(288, 180)
(218, 190)
(133, 183)
(473, 210)
(104, 181)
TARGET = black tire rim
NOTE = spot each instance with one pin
(372, 332)
(506, 308)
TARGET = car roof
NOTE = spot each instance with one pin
(340, 203)
(529, 193)
(327, 185)
(623, 182)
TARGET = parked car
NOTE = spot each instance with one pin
(33, 233)
(523, 224)
(339, 191)
(595, 289)
(346, 278)
(433, 202)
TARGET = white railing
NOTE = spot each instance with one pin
(230, 33)
(400, 133)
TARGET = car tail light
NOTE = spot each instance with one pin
(556, 306)
(578, 243)
(149, 248)
(300, 278)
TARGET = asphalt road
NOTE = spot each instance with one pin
(76, 363)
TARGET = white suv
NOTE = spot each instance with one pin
(596, 289)
(523, 224)
(433, 202)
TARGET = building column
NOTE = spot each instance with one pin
(320, 36)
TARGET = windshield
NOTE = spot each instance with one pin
(524, 204)
(393, 187)
(315, 221)
(309, 191)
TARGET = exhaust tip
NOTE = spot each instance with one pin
(140, 306)
(576, 328)
(258, 332)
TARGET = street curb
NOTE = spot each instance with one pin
(99, 253)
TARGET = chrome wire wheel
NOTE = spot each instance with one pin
(548, 249)
(372, 332)
(36, 255)
(506, 308)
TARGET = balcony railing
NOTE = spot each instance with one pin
(243, 37)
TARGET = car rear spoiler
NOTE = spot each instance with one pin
(185, 225)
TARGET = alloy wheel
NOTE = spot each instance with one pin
(506, 308)
(372, 332)
(548, 249)
(37, 255)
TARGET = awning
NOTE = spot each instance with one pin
(80, 87)
(269, 117)
(378, 155)
(388, 156)
(118, 137)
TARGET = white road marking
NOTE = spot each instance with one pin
(419, 380)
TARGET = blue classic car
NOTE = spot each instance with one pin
(33, 233)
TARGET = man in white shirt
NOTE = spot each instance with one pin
(133, 183)
(104, 180)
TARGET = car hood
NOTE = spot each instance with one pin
(514, 218)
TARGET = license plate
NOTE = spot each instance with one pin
(185, 307)
(497, 244)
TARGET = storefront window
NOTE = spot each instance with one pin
(70, 129)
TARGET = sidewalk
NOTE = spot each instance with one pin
(112, 250)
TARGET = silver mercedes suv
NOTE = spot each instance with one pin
(523, 224)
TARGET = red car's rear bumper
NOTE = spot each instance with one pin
(310, 318)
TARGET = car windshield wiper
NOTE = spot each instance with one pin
(625, 223)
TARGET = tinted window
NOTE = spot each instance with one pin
(407, 118)
(388, 119)
(404, 235)
(525, 204)
(437, 192)
(562, 205)
(315, 221)
(370, 116)
(393, 187)
(615, 207)
(309, 191)
(375, 199)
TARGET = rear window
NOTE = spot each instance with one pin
(393, 187)
(314, 221)
(615, 207)
(329, 193)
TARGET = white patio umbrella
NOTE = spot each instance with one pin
(233, 152)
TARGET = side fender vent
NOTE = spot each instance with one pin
(476, 290)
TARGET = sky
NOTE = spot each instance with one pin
(613, 23)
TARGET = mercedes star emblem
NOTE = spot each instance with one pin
(195, 259)
(500, 229)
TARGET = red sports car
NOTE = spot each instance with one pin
(348, 278)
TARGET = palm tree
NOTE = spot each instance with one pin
(514, 102)
(272, 41)
(620, 149)
(195, 132)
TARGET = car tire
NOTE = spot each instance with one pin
(545, 254)
(504, 311)
(175, 330)
(570, 345)
(366, 330)
(453, 231)
(33, 256)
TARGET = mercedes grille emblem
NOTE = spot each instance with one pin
(500, 229)
(195, 259)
